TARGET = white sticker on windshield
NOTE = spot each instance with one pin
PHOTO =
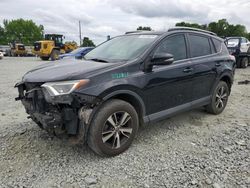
(147, 36)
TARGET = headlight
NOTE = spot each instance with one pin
(64, 87)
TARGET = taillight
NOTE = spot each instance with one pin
(232, 57)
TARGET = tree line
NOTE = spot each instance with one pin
(20, 30)
(221, 27)
(27, 31)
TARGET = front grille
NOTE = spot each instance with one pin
(34, 98)
(29, 86)
(37, 46)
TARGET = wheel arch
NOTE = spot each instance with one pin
(132, 98)
(226, 78)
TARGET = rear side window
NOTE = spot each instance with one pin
(174, 45)
(199, 45)
(217, 45)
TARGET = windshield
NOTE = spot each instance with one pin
(125, 47)
(232, 42)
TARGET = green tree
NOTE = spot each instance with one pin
(194, 25)
(20, 30)
(86, 42)
(140, 28)
(2, 36)
(221, 27)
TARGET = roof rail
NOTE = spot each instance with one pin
(137, 31)
(191, 29)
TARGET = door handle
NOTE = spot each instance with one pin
(217, 64)
(187, 70)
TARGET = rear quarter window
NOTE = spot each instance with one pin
(217, 45)
(199, 45)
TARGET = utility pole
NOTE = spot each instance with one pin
(80, 32)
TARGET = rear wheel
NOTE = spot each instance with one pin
(244, 62)
(44, 58)
(55, 55)
(219, 98)
(113, 128)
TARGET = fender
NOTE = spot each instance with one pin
(129, 92)
(88, 114)
(223, 74)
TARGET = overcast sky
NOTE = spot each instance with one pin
(100, 18)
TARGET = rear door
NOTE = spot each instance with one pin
(204, 64)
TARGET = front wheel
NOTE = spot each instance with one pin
(113, 128)
(55, 55)
(219, 98)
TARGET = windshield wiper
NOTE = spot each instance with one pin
(99, 60)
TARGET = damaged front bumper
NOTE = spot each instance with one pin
(68, 113)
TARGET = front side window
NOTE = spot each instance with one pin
(199, 45)
(174, 45)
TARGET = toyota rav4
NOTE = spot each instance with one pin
(130, 80)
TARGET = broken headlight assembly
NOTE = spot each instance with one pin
(58, 92)
(64, 87)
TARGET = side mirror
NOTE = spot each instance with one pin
(162, 59)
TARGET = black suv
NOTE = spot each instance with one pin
(130, 80)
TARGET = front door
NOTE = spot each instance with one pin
(168, 86)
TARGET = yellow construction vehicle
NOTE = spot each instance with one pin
(52, 47)
(16, 49)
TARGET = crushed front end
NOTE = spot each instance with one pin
(66, 112)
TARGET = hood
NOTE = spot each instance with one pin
(66, 55)
(65, 70)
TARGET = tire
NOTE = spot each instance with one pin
(238, 62)
(106, 128)
(244, 62)
(54, 55)
(219, 98)
(44, 58)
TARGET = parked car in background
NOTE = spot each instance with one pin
(240, 48)
(3, 49)
(1, 55)
(78, 53)
(130, 80)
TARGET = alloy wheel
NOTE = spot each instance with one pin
(117, 129)
(221, 97)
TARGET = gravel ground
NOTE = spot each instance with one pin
(193, 149)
